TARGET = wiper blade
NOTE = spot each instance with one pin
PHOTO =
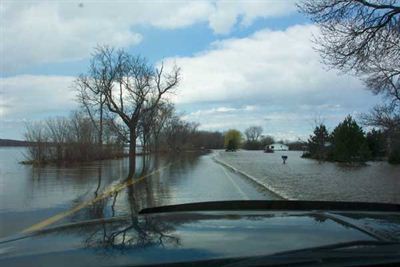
(274, 205)
(364, 251)
(342, 245)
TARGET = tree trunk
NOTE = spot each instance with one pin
(98, 181)
(144, 145)
(389, 143)
(101, 122)
(132, 152)
(101, 127)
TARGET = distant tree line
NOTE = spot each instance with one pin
(170, 133)
(253, 139)
(67, 139)
(75, 138)
(348, 143)
(11, 142)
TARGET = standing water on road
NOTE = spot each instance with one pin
(308, 179)
(34, 195)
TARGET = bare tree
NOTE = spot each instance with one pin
(178, 133)
(36, 134)
(387, 118)
(267, 140)
(164, 112)
(253, 133)
(92, 100)
(72, 138)
(57, 133)
(131, 88)
(361, 36)
(146, 124)
(384, 79)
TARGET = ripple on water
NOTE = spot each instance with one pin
(306, 179)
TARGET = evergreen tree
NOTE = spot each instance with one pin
(317, 143)
(394, 157)
(349, 142)
(376, 143)
(365, 153)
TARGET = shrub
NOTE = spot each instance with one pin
(232, 139)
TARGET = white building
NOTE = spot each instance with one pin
(277, 147)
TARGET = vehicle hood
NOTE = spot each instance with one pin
(181, 236)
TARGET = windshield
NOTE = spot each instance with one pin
(111, 107)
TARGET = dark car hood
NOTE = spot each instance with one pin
(180, 236)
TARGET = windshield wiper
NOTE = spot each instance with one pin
(355, 252)
(343, 245)
(274, 205)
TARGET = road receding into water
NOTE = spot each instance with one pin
(308, 179)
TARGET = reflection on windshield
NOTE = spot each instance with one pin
(198, 235)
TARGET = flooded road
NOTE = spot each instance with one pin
(34, 198)
(307, 179)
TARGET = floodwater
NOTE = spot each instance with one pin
(33, 198)
(46, 196)
(307, 179)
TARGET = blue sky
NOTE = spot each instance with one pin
(243, 62)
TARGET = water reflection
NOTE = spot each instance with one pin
(191, 236)
(132, 235)
(135, 193)
(30, 194)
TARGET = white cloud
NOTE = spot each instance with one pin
(250, 108)
(269, 66)
(219, 110)
(44, 32)
(271, 78)
(227, 13)
(28, 96)
(53, 31)
(275, 78)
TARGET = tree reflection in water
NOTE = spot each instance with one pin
(138, 232)
(99, 174)
(132, 234)
(100, 178)
(127, 200)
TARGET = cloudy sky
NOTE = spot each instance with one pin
(243, 63)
